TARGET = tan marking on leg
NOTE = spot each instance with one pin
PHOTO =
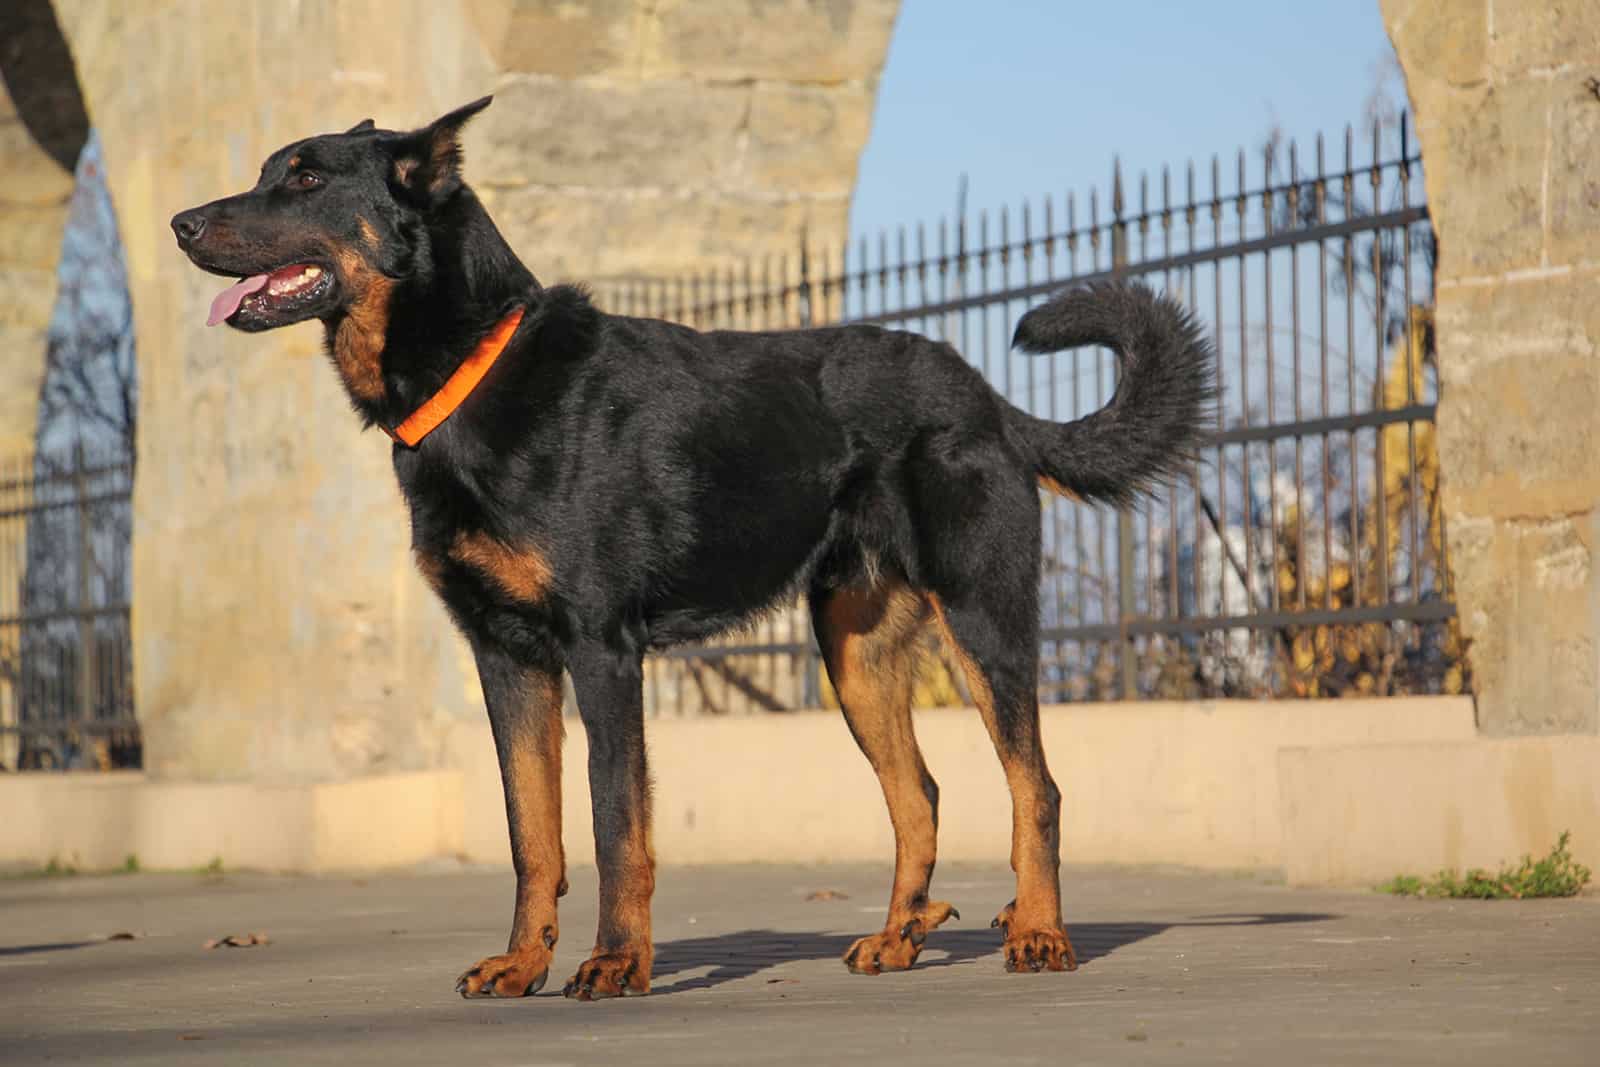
(522, 573)
(976, 682)
(868, 639)
(532, 778)
(535, 811)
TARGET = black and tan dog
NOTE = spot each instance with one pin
(586, 487)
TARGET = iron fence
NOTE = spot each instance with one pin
(66, 679)
(1304, 555)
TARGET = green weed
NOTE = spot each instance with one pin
(1554, 875)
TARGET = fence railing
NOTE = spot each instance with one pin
(66, 678)
(1306, 553)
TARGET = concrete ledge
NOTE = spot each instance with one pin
(1192, 784)
(1362, 814)
(95, 821)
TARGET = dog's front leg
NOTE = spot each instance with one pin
(609, 685)
(524, 705)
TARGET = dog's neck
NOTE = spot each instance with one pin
(398, 341)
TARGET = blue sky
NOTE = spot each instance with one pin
(1030, 96)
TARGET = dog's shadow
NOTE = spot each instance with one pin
(731, 957)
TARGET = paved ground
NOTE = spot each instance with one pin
(1179, 967)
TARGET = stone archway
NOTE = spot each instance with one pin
(43, 126)
(280, 633)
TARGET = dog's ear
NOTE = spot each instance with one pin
(427, 162)
(361, 127)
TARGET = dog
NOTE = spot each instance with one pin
(586, 487)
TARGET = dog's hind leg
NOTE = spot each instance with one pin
(995, 638)
(978, 517)
(868, 643)
(525, 714)
(609, 685)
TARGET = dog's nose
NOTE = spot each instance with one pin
(188, 225)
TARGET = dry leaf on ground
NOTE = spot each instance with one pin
(239, 941)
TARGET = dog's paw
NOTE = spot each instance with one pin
(900, 943)
(610, 974)
(1039, 950)
(514, 974)
(1043, 948)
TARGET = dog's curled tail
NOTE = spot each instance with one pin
(1163, 401)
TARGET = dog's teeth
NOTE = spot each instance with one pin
(281, 286)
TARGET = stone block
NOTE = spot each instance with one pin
(1574, 214)
(561, 38)
(578, 237)
(1525, 590)
(27, 294)
(545, 131)
(820, 41)
(1537, 35)
(1512, 462)
(1445, 41)
(21, 369)
(33, 179)
(32, 237)
(1520, 367)
(807, 139)
(1486, 176)
(457, 63)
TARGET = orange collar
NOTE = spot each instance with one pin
(459, 386)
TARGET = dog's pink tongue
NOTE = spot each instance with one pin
(228, 301)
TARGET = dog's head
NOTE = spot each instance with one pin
(332, 220)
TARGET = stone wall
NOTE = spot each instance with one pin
(633, 139)
(1510, 130)
(280, 632)
(33, 209)
(42, 129)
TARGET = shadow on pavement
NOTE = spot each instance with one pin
(28, 950)
(748, 952)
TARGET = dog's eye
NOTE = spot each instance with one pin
(307, 180)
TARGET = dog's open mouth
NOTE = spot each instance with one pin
(283, 292)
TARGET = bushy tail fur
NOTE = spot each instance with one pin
(1163, 401)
